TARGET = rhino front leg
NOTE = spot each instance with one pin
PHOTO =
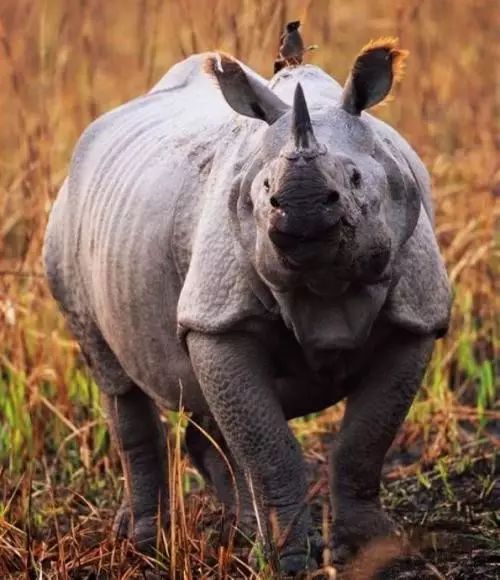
(236, 377)
(139, 436)
(374, 412)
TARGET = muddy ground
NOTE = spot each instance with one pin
(452, 521)
(450, 515)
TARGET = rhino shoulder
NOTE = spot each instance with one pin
(420, 301)
(217, 294)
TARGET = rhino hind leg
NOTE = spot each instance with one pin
(374, 412)
(212, 462)
(137, 432)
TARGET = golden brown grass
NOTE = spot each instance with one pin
(64, 62)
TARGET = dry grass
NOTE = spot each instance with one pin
(64, 62)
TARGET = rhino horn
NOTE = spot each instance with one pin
(304, 142)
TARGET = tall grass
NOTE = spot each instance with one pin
(64, 62)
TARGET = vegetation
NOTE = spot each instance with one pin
(64, 62)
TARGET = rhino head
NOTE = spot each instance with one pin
(321, 196)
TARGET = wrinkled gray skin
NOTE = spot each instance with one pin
(184, 285)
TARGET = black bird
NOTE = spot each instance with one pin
(291, 50)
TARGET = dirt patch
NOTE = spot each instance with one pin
(451, 519)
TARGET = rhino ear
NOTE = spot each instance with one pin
(377, 66)
(244, 93)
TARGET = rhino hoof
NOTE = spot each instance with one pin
(293, 565)
(146, 535)
(347, 541)
(143, 534)
(242, 531)
(317, 545)
(342, 553)
(121, 523)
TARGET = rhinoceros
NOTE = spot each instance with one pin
(254, 251)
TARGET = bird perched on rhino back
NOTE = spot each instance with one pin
(292, 49)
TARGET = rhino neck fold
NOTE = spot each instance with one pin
(331, 322)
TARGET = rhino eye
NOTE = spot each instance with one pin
(266, 184)
(356, 178)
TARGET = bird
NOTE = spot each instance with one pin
(291, 50)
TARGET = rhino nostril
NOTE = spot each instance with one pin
(332, 197)
(273, 200)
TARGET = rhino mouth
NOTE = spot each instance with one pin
(291, 240)
(298, 251)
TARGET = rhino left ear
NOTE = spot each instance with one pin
(243, 92)
(378, 64)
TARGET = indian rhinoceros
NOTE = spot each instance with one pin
(253, 251)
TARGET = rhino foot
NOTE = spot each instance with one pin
(297, 564)
(144, 533)
(293, 565)
(242, 530)
(358, 530)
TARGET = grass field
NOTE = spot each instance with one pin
(62, 63)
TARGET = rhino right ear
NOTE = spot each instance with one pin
(244, 93)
